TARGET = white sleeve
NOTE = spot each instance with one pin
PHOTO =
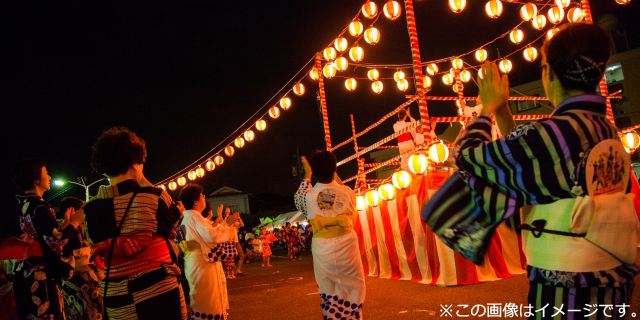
(209, 234)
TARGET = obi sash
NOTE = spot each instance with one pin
(404, 137)
(189, 247)
(331, 227)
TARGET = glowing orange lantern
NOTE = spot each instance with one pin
(418, 163)
(516, 36)
(387, 191)
(432, 69)
(481, 55)
(356, 53)
(314, 74)
(427, 82)
(182, 181)
(623, 2)
(401, 179)
(373, 74)
(563, 3)
(505, 65)
(274, 112)
(438, 152)
(369, 10)
(631, 140)
(377, 86)
(403, 84)
(200, 172)
(457, 87)
(399, 75)
(249, 135)
(163, 187)
(539, 22)
(229, 151)
(351, 84)
(192, 175)
(465, 75)
(392, 10)
(261, 125)
(457, 5)
(493, 8)
(341, 44)
(173, 185)
(555, 14)
(239, 142)
(210, 165)
(552, 32)
(285, 103)
(329, 70)
(219, 160)
(457, 63)
(341, 64)
(530, 54)
(298, 89)
(329, 53)
(372, 198)
(575, 15)
(528, 11)
(356, 28)
(360, 202)
(447, 79)
(372, 35)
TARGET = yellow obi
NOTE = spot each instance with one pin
(331, 227)
(190, 246)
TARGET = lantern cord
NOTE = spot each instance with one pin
(210, 152)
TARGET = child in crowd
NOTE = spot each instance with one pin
(294, 243)
(267, 238)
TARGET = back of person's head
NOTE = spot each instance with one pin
(578, 54)
(70, 202)
(116, 150)
(323, 165)
(190, 194)
(402, 114)
(207, 210)
(27, 173)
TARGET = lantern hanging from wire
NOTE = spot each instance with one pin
(481, 55)
(285, 103)
(182, 181)
(192, 175)
(372, 198)
(516, 36)
(209, 165)
(398, 75)
(314, 74)
(528, 11)
(457, 5)
(623, 2)
(555, 14)
(438, 152)
(219, 160)
(298, 89)
(447, 79)
(372, 35)
(505, 65)
(341, 44)
(418, 163)
(274, 112)
(373, 74)
(356, 28)
(356, 53)
(329, 70)
(563, 3)
(387, 192)
(377, 86)
(457, 63)
(369, 10)
(351, 84)
(261, 125)
(341, 64)
(575, 15)
(432, 69)
(457, 87)
(249, 135)
(239, 142)
(539, 22)
(200, 172)
(360, 202)
(465, 75)
(329, 53)
(173, 185)
(401, 179)
(530, 54)
(552, 32)
(427, 82)
(403, 84)
(392, 10)
(631, 140)
(493, 8)
(229, 151)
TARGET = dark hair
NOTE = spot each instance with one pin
(70, 202)
(323, 165)
(578, 54)
(207, 210)
(116, 150)
(27, 172)
(190, 194)
(402, 114)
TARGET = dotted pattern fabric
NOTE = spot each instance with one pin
(335, 308)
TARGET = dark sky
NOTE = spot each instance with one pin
(185, 74)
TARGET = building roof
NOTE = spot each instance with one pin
(225, 191)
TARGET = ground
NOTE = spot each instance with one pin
(288, 291)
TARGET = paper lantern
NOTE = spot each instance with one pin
(427, 82)
(372, 198)
(200, 172)
(418, 163)
(457, 5)
(360, 202)
(401, 179)
(369, 10)
(285, 103)
(457, 63)
(314, 74)
(631, 140)
(438, 152)
(192, 175)
(387, 191)
(465, 75)
(356, 54)
(623, 2)
(392, 10)
(351, 84)
(528, 11)
(329, 53)
(329, 70)
(530, 54)
(399, 75)
(173, 185)
(372, 35)
(563, 3)
(341, 64)
(575, 15)
(249, 135)
(516, 36)
(432, 69)
(162, 187)
(341, 44)
(356, 28)
(481, 55)
(274, 112)
(493, 8)
(209, 165)
(403, 84)
(229, 151)
(377, 86)
(505, 65)
(219, 160)
(261, 125)
(239, 142)
(298, 89)
(373, 74)
(555, 14)
(447, 79)
(539, 22)
(457, 87)
(182, 181)
(551, 33)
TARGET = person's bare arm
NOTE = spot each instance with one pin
(504, 120)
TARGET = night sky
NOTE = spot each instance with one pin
(183, 75)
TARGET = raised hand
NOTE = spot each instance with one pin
(307, 167)
(494, 88)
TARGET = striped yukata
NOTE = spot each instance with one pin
(537, 163)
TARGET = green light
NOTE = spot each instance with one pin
(58, 183)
